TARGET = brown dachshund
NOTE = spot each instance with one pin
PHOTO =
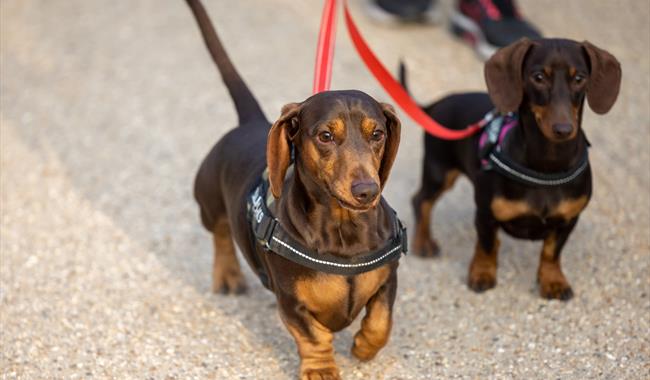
(342, 144)
(531, 174)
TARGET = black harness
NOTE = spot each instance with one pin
(494, 158)
(270, 234)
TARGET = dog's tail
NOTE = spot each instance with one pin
(402, 75)
(248, 109)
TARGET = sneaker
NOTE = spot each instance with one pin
(404, 11)
(488, 25)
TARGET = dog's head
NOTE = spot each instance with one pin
(552, 78)
(345, 142)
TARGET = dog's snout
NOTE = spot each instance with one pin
(562, 130)
(365, 191)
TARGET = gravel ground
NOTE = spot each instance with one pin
(107, 109)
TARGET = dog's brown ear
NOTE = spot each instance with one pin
(394, 128)
(278, 146)
(604, 80)
(503, 75)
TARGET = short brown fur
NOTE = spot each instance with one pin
(320, 205)
(545, 83)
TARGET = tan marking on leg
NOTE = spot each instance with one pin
(570, 208)
(316, 351)
(552, 283)
(424, 245)
(374, 333)
(483, 269)
(226, 273)
(504, 209)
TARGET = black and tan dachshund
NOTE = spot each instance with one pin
(541, 85)
(343, 144)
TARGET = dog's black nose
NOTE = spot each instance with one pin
(562, 129)
(365, 191)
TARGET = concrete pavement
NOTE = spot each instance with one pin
(107, 109)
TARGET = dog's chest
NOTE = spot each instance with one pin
(336, 300)
(533, 216)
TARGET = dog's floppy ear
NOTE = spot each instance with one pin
(393, 130)
(278, 146)
(604, 80)
(503, 75)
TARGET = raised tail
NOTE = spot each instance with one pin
(402, 76)
(248, 109)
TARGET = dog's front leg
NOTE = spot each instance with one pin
(483, 269)
(377, 323)
(552, 283)
(314, 342)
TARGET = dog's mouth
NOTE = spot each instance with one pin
(349, 206)
(352, 207)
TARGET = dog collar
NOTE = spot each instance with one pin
(274, 238)
(493, 157)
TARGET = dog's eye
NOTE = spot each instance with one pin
(538, 77)
(377, 135)
(578, 78)
(325, 137)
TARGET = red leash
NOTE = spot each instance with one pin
(399, 95)
(325, 49)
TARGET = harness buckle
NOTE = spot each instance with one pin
(403, 237)
(265, 231)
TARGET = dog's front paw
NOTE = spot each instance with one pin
(425, 247)
(363, 354)
(481, 281)
(482, 271)
(552, 283)
(556, 291)
(362, 350)
(320, 374)
(228, 282)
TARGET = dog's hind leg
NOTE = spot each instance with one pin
(227, 277)
(436, 179)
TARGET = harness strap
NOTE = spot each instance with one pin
(274, 238)
(493, 157)
(502, 164)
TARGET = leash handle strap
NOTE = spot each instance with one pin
(325, 48)
(397, 92)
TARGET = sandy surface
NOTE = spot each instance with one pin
(109, 106)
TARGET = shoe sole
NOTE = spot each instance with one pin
(468, 30)
(432, 16)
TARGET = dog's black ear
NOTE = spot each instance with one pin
(604, 79)
(394, 128)
(278, 146)
(503, 75)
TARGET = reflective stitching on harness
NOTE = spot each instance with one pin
(324, 262)
(550, 182)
